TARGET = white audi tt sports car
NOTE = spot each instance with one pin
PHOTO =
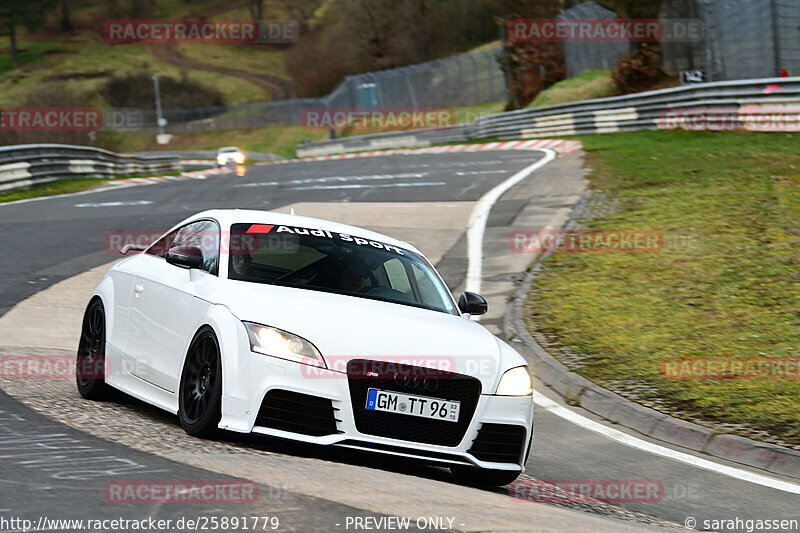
(229, 154)
(305, 329)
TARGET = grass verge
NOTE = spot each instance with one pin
(53, 188)
(67, 186)
(725, 285)
(280, 140)
(592, 84)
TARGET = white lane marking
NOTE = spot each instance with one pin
(477, 226)
(614, 434)
(116, 204)
(367, 186)
(330, 179)
(479, 172)
(477, 220)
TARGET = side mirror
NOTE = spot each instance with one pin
(185, 256)
(472, 304)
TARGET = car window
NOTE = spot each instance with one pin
(284, 253)
(328, 261)
(160, 247)
(203, 234)
(396, 275)
(427, 284)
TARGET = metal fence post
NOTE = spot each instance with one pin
(477, 84)
(776, 37)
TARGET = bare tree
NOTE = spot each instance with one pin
(256, 9)
(529, 67)
(17, 13)
(66, 19)
(640, 69)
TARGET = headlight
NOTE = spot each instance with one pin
(221, 159)
(515, 382)
(279, 343)
(238, 157)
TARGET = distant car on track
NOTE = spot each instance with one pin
(311, 330)
(229, 155)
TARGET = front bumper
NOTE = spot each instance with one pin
(253, 376)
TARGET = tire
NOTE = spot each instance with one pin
(483, 477)
(91, 362)
(200, 391)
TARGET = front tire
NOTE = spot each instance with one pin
(91, 365)
(200, 391)
(483, 477)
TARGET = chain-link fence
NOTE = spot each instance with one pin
(462, 80)
(580, 57)
(751, 38)
(741, 39)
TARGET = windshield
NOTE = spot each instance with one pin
(328, 261)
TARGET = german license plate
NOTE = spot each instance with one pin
(408, 404)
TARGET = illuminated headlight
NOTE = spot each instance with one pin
(279, 343)
(238, 157)
(515, 382)
(221, 159)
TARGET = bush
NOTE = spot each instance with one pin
(531, 68)
(640, 70)
(136, 90)
(316, 70)
(60, 95)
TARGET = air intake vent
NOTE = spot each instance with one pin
(297, 413)
(499, 443)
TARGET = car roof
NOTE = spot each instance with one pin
(227, 217)
(228, 149)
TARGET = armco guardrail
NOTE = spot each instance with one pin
(632, 112)
(29, 164)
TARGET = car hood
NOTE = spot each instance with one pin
(348, 327)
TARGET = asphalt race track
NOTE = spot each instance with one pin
(58, 452)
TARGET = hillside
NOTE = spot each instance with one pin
(80, 68)
(84, 61)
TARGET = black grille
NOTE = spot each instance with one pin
(364, 375)
(499, 443)
(298, 413)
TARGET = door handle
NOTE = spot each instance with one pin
(138, 288)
